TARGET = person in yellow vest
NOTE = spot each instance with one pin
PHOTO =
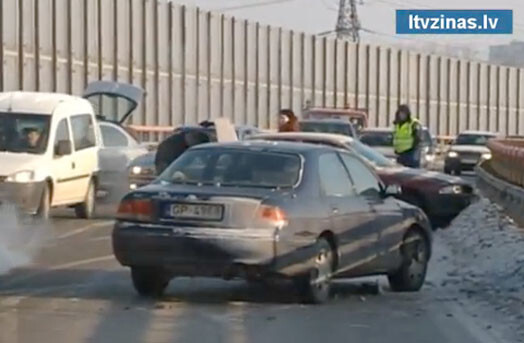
(406, 138)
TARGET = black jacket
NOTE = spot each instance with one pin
(169, 150)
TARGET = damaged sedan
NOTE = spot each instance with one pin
(270, 210)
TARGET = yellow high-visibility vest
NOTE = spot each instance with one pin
(403, 139)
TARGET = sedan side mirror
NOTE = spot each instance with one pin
(63, 148)
(392, 191)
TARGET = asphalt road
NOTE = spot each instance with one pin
(75, 291)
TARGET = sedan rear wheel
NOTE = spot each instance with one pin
(149, 282)
(411, 275)
(315, 287)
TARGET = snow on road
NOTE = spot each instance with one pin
(479, 260)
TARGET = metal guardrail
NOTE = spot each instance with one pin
(507, 159)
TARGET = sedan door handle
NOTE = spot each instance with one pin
(73, 165)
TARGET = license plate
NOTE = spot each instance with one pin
(196, 211)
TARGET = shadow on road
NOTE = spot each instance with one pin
(116, 286)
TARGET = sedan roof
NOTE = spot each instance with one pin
(329, 138)
(274, 146)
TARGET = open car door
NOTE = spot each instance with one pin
(113, 101)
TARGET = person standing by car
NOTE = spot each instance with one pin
(171, 148)
(287, 122)
(406, 139)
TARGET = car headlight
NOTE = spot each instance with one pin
(454, 189)
(486, 156)
(430, 158)
(452, 154)
(21, 176)
(136, 170)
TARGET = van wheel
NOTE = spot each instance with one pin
(315, 287)
(149, 281)
(86, 209)
(415, 254)
(45, 204)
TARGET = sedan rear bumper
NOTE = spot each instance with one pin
(195, 251)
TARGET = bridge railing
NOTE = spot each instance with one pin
(507, 160)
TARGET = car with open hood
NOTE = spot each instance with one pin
(270, 210)
(442, 197)
(114, 103)
(467, 150)
(49, 147)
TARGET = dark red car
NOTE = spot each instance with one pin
(441, 196)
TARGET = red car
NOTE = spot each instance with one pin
(441, 196)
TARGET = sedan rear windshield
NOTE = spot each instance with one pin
(469, 139)
(377, 138)
(337, 128)
(232, 167)
(24, 133)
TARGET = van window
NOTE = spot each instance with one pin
(62, 132)
(83, 131)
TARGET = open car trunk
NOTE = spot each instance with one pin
(113, 101)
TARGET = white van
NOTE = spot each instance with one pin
(48, 152)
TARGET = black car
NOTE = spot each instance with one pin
(265, 210)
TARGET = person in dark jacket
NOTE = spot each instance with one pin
(175, 145)
(406, 138)
(288, 122)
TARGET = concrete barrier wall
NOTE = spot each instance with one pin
(196, 65)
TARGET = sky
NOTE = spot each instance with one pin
(316, 16)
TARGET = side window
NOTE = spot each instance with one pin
(62, 132)
(365, 181)
(112, 137)
(83, 131)
(334, 179)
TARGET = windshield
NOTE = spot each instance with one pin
(469, 139)
(231, 167)
(377, 138)
(24, 133)
(371, 155)
(327, 127)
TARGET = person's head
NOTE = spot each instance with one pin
(403, 113)
(287, 121)
(193, 138)
(32, 137)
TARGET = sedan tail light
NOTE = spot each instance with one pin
(272, 215)
(135, 210)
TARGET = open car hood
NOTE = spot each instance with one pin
(113, 101)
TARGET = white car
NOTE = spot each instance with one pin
(114, 103)
(49, 152)
(468, 149)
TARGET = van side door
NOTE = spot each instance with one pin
(62, 166)
(85, 156)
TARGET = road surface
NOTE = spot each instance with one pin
(75, 291)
